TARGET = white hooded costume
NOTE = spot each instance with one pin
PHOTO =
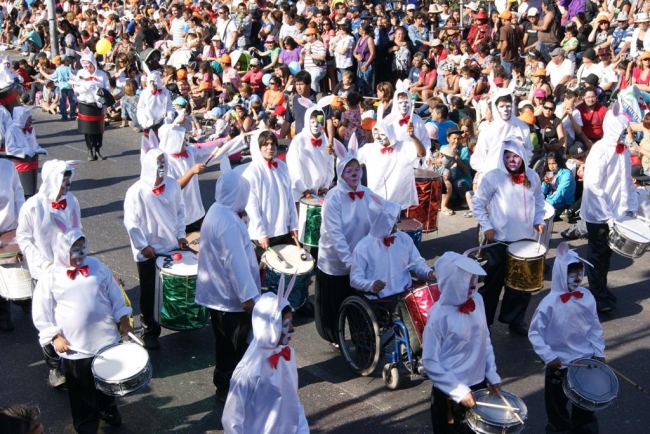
(608, 187)
(514, 209)
(390, 169)
(83, 309)
(154, 220)
(19, 141)
(271, 210)
(566, 330)
(263, 398)
(456, 347)
(228, 272)
(12, 196)
(155, 103)
(488, 146)
(373, 260)
(86, 84)
(35, 234)
(401, 117)
(5, 122)
(310, 166)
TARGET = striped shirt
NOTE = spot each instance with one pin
(317, 48)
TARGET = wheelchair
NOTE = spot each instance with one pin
(367, 329)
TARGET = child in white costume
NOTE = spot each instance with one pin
(155, 105)
(263, 395)
(20, 138)
(565, 327)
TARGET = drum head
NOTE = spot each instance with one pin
(423, 174)
(188, 265)
(527, 249)
(496, 416)
(408, 225)
(639, 228)
(120, 362)
(194, 241)
(597, 383)
(311, 201)
(291, 254)
(549, 211)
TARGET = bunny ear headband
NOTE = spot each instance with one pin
(283, 295)
(564, 253)
(62, 225)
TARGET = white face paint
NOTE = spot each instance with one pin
(160, 170)
(505, 110)
(574, 280)
(404, 106)
(65, 185)
(315, 127)
(380, 137)
(472, 285)
(286, 331)
(78, 254)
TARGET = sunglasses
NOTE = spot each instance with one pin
(548, 108)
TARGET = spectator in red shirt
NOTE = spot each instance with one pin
(254, 77)
(592, 114)
(426, 83)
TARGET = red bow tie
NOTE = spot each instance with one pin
(27, 130)
(156, 91)
(60, 205)
(182, 154)
(404, 120)
(467, 307)
(272, 164)
(354, 194)
(316, 142)
(620, 148)
(73, 273)
(159, 190)
(567, 296)
(518, 179)
(91, 78)
(274, 358)
(387, 149)
(388, 241)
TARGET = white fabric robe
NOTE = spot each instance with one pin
(19, 143)
(153, 109)
(12, 196)
(310, 167)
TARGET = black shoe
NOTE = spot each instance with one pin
(91, 155)
(520, 329)
(98, 155)
(6, 326)
(55, 379)
(605, 305)
(221, 395)
(151, 342)
(572, 234)
(113, 418)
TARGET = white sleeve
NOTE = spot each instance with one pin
(481, 200)
(115, 296)
(25, 239)
(539, 200)
(43, 311)
(358, 278)
(19, 193)
(132, 220)
(537, 331)
(595, 334)
(170, 112)
(180, 213)
(255, 223)
(234, 411)
(479, 158)
(332, 222)
(295, 169)
(490, 362)
(235, 261)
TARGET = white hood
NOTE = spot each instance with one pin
(387, 215)
(232, 191)
(20, 116)
(52, 176)
(454, 273)
(515, 146)
(172, 138)
(385, 125)
(88, 56)
(150, 167)
(344, 156)
(154, 78)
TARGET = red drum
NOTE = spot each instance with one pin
(90, 119)
(9, 98)
(415, 304)
(429, 187)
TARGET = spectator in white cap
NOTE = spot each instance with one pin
(622, 36)
(530, 35)
(559, 70)
(30, 41)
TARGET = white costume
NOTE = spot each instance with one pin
(228, 272)
(373, 259)
(457, 351)
(271, 210)
(156, 220)
(514, 209)
(390, 168)
(263, 395)
(310, 166)
(566, 330)
(12, 196)
(86, 84)
(155, 103)
(5, 121)
(20, 141)
(403, 114)
(36, 235)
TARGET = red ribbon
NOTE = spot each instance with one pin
(60, 205)
(9, 98)
(275, 358)
(620, 148)
(567, 296)
(518, 179)
(387, 149)
(404, 120)
(388, 241)
(91, 78)
(156, 91)
(89, 118)
(272, 164)
(317, 143)
(467, 307)
(26, 167)
(354, 194)
(72, 274)
(182, 154)
(159, 190)
(28, 130)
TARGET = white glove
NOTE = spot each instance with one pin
(610, 223)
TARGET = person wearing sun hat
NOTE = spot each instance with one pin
(540, 81)
(479, 30)
(313, 55)
(230, 74)
(637, 44)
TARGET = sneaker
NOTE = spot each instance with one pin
(24, 53)
(56, 379)
(468, 214)
(113, 418)
(221, 395)
(573, 233)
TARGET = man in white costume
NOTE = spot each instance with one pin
(457, 352)
(155, 105)
(154, 217)
(228, 281)
(408, 126)
(263, 395)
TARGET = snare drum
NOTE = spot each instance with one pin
(15, 280)
(413, 229)
(490, 420)
(414, 305)
(123, 368)
(429, 189)
(549, 216)
(309, 220)
(175, 292)
(592, 388)
(525, 266)
(629, 237)
(194, 241)
(292, 264)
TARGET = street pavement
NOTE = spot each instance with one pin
(180, 397)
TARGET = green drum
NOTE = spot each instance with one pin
(175, 292)
(310, 220)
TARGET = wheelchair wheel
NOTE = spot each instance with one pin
(359, 335)
(390, 374)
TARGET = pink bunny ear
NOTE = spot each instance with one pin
(153, 139)
(562, 249)
(59, 222)
(75, 220)
(305, 102)
(325, 101)
(353, 144)
(378, 200)
(340, 149)
(281, 290)
(145, 144)
(74, 163)
(290, 287)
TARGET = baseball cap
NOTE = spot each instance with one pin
(311, 31)
(279, 111)
(410, 7)
(639, 174)
(180, 101)
(255, 61)
(578, 150)
(531, 12)
(506, 15)
(557, 52)
(591, 79)
(453, 130)
(539, 93)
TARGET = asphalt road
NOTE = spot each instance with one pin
(180, 397)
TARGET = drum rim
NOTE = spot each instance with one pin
(98, 377)
(317, 203)
(521, 404)
(289, 273)
(601, 365)
(527, 241)
(612, 244)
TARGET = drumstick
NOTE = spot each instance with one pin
(539, 238)
(302, 251)
(212, 154)
(278, 257)
(629, 381)
(510, 407)
(502, 407)
(80, 351)
(136, 339)
(579, 365)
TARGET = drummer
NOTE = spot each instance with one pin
(457, 351)
(565, 327)
(20, 137)
(155, 105)
(78, 302)
(154, 218)
(408, 126)
(11, 200)
(513, 195)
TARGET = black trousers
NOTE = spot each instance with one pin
(5, 308)
(86, 402)
(447, 417)
(94, 141)
(599, 255)
(147, 276)
(330, 293)
(231, 330)
(560, 420)
(194, 227)
(514, 303)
